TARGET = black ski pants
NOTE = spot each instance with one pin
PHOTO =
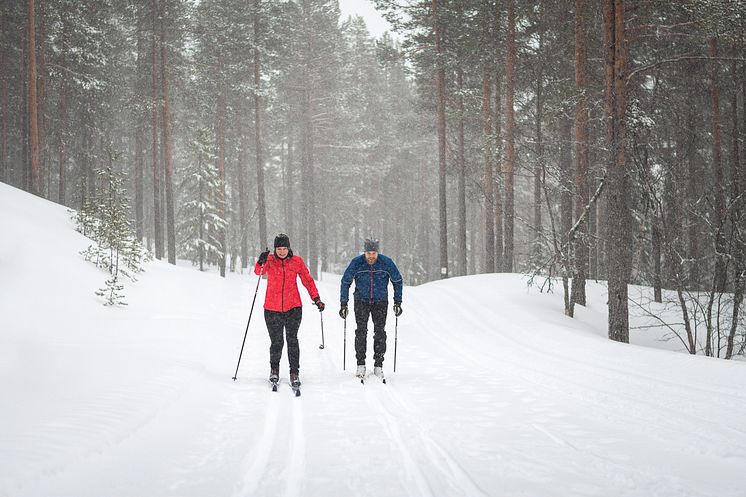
(287, 322)
(377, 310)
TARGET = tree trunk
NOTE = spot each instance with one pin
(202, 194)
(87, 155)
(139, 182)
(739, 245)
(539, 162)
(738, 294)
(440, 99)
(581, 157)
(462, 248)
(670, 213)
(656, 254)
(140, 116)
(741, 178)
(489, 180)
(510, 143)
(157, 217)
(33, 129)
(41, 104)
(62, 132)
(618, 210)
(23, 117)
(220, 141)
(307, 161)
(717, 171)
(593, 216)
(498, 183)
(234, 213)
(168, 156)
(243, 208)
(474, 237)
(290, 178)
(261, 203)
(566, 197)
(691, 190)
(3, 96)
(736, 175)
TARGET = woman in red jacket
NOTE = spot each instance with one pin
(282, 305)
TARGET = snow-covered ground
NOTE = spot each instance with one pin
(496, 392)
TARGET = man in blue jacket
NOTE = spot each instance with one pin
(371, 273)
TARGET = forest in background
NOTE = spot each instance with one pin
(577, 139)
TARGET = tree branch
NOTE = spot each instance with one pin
(680, 59)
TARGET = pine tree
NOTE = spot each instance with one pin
(199, 215)
(105, 219)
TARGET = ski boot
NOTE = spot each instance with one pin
(361, 372)
(378, 371)
(295, 383)
(274, 378)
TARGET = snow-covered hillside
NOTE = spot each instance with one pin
(496, 393)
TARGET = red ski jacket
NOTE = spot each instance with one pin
(282, 287)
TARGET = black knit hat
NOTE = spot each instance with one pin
(370, 245)
(282, 240)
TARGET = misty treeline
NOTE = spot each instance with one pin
(572, 139)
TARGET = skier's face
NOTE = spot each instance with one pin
(281, 252)
(371, 256)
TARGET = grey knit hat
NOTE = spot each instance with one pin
(370, 245)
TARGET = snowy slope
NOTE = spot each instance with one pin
(496, 392)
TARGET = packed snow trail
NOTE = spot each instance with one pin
(496, 392)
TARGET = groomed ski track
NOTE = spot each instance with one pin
(496, 393)
(469, 411)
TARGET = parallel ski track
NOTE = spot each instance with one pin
(394, 413)
(257, 461)
(393, 409)
(293, 484)
(276, 463)
(415, 482)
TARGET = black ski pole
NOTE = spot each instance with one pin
(396, 340)
(322, 330)
(249, 321)
(344, 348)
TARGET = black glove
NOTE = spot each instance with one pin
(343, 311)
(397, 309)
(263, 257)
(317, 301)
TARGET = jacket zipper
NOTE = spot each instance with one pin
(282, 295)
(370, 268)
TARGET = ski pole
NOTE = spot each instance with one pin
(322, 330)
(344, 348)
(249, 321)
(396, 340)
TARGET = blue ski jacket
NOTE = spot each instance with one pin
(371, 281)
